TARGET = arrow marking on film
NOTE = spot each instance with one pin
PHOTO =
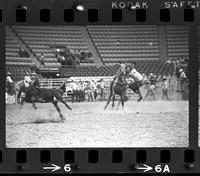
(53, 167)
(146, 168)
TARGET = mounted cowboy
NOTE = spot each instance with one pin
(35, 80)
(118, 86)
(27, 79)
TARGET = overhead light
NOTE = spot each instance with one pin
(21, 7)
(80, 7)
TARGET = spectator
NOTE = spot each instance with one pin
(9, 78)
(94, 90)
(23, 53)
(182, 78)
(165, 88)
(102, 87)
(58, 56)
(62, 60)
(89, 92)
(152, 79)
(74, 91)
(9, 85)
(41, 59)
(172, 85)
(82, 93)
(78, 92)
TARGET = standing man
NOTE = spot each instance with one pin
(94, 90)
(42, 59)
(9, 78)
(102, 86)
(74, 90)
(183, 81)
(165, 88)
(182, 78)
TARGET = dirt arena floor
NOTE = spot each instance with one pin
(140, 124)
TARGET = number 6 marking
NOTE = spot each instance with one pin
(67, 168)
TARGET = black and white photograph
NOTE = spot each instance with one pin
(101, 86)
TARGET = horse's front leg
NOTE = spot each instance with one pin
(33, 102)
(122, 104)
(118, 103)
(113, 100)
(122, 100)
(108, 101)
(61, 100)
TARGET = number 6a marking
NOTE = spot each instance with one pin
(67, 168)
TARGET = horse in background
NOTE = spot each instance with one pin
(52, 95)
(19, 91)
(10, 90)
(10, 87)
(117, 86)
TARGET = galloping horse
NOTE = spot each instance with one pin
(118, 86)
(52, 95)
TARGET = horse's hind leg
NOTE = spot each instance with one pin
(33, 102)
(61, 100)
(58, 109)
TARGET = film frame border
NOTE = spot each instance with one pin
(181, 158)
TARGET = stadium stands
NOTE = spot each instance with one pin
(41, 39)
(177, 41)
(126, 43)
(139, 43)
(12, 56)
(15, 64)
